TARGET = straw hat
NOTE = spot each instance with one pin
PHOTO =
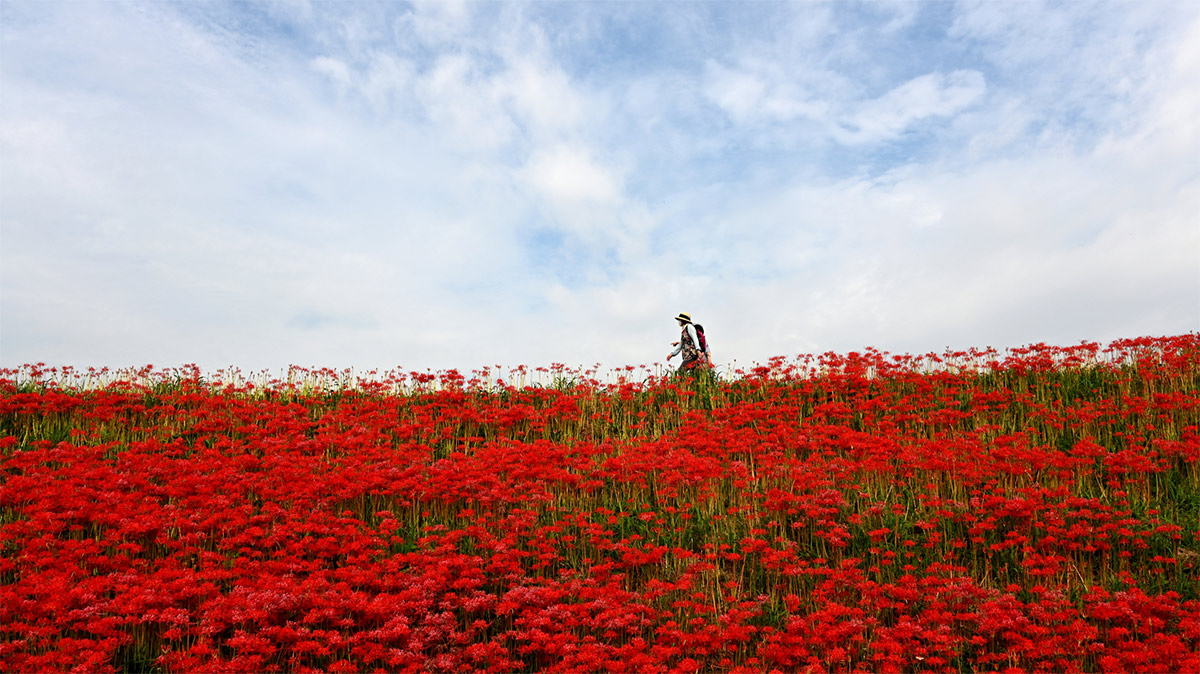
(686, 318)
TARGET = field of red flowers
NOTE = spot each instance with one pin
(1036, 510)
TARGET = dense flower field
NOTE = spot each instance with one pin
(1036, 510)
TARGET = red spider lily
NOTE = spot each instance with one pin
(859, 512)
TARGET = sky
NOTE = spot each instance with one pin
(436, 185)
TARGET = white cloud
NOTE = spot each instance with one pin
(737, 92)
(570, 177)
(762, 92)
(930, 95)
(360, 187)
(438, 21)
(336, 70)
(461, 101)
(542, 96)
(765, 94)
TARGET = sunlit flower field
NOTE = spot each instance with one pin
(1031, 510)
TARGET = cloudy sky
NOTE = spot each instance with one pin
(445, 184)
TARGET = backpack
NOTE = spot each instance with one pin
(703, 345)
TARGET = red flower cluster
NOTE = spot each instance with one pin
(861, 512)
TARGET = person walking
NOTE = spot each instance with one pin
(688, 344)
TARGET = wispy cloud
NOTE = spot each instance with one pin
(928, 96)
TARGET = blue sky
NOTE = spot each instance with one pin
(445, 184)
